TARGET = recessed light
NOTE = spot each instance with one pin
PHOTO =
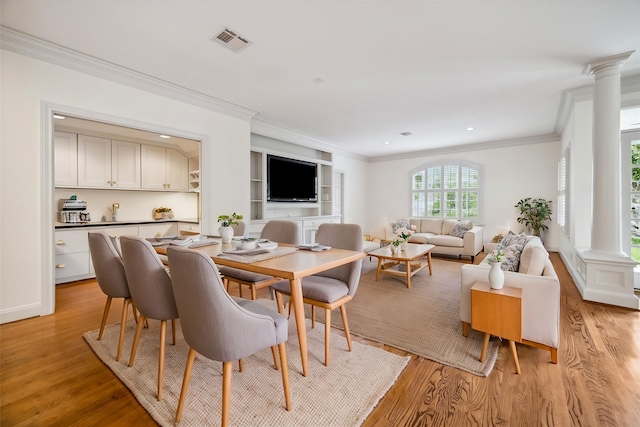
(470, 128)
(318, 80)
(387, 143)
(165, 136)
(58, 116)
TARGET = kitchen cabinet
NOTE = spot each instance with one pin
(72, 261)
(188, 228)
(105, 163)
(65, 147)
(157, 230)
(164, 169)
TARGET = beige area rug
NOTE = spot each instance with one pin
(342, 394)
(423, 320)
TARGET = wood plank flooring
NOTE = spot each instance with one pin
(50, 377)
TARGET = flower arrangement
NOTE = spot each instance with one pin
(403, 234)
(159, 213)
(498, 255)
(229, 220)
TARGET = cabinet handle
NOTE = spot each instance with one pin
(59, 265)
(108, 182)
(113, 183)
(59, 242)
(168, 185)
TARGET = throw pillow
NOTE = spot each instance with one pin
(513, 253)
(400, 224)
(447, 225)
(459, 229)
(512, 238)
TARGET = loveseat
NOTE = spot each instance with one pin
(537, 278)
(450, 236)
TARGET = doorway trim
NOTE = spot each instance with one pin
(47, 215)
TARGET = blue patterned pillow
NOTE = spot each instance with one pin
(513, 252)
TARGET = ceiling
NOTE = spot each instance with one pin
(431, 68)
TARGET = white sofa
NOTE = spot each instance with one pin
(438, 232)
(540, 295)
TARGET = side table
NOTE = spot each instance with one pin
(497, 312)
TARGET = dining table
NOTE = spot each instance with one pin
(293, 267)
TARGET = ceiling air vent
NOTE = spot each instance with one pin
(405, 134)
(230, 39)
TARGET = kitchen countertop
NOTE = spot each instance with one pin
(63, 225)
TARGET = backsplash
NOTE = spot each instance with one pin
(134, 205)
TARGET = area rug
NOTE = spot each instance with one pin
(342, 394)
(423, 320)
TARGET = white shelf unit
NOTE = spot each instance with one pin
(194, 174)
(263, 210)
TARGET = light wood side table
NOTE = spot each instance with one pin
(497, 312)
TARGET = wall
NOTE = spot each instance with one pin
(26, 229)
(357, 189)
(509, 174)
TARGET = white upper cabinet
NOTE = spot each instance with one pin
(164, 169)
(94, 162)
(65, 147)
(125, 164)
(103, 163)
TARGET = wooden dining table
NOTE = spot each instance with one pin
(294, 267)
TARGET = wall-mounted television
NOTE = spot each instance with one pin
(290, 180)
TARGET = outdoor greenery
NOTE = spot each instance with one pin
(445, 191)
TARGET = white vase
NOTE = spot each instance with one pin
(403, 245)
(394, 249)
(226, 233)
(496, 276)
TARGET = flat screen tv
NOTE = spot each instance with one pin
(290, 180)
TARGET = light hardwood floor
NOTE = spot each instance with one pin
(50, 377)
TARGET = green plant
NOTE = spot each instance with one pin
(229, 220)
(534, 213)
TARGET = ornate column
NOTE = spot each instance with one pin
(608, 272)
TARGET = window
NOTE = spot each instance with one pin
(446, 190)
(635, 200)
(563, 189)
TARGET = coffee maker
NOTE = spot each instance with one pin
(73, 211)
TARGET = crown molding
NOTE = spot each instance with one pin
(33, 47)
(465, 148)
(273, 130)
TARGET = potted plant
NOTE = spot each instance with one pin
(226, 221)
(534, 213)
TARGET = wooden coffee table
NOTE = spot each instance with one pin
(407, 258)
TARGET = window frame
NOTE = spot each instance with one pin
(564, 174)
(425, 191)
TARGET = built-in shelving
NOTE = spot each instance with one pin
(263, 210)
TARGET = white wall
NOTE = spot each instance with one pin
(357, 191)
(28, 87)
(509, 174)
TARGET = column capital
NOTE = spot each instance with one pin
(597, 65)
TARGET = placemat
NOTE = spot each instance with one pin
(252, 257)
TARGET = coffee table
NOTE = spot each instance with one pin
(406, 258)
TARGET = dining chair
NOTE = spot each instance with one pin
(151, 292)
(238, 229)
(332, 288)
(281, 231)
(215, 326)
(111, 278)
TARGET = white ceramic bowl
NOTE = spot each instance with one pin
(248, 244)
(236, 242)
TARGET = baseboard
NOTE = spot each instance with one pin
(20, 313)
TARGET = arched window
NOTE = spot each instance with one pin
(446, 190)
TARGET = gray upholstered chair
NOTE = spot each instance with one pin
(111, 277)
(218, 328)
(332, 288)
(281, 231)
(151, 291)
(238, 229)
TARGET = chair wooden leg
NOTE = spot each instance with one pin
(173, 330)
(225, 282)
(254, 293)
(185, 382)
(285, 375)
(327, 335)
(313, 316)
(345, 323)
(240, 365)
(465, 329)
(107, 306)
(163, 337)
(135, 311)
(240, 289)
(123, 325)
(136, 339)
(226, 392)
(274, 352)
(279, 302)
